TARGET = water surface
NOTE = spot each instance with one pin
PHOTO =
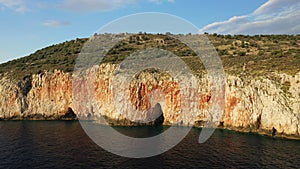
(63, 144)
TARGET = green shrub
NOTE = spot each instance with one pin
(242, 53)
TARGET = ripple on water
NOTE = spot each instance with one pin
(63, 144)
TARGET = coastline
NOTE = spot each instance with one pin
(128, 123)
(267, 133)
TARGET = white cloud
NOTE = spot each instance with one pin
(17, 5)
(101, 5)
(161, 1)
(55, 23)
(94, 5)
(273, 17)
(273, 6)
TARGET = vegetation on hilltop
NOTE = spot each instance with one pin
(61, 57)
(240, 54)
(259, 54)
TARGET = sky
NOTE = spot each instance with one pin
(29, 25)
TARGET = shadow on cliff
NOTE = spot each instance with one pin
(69, 115)
(153, 126)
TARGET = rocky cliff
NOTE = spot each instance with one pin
(263, 104)
(42, 96)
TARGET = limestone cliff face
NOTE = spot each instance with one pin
(264, 103)
(251, 104)
(43, 96)
(50, 95)
(12, 100)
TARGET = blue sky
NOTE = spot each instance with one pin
(28, 25)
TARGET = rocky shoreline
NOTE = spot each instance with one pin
(251, 105)
(158, 122)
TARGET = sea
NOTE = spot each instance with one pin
(64, 144)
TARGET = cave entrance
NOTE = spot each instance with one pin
(69, 115)
(152, 127)
(156, 115)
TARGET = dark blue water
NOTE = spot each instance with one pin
(60, 144)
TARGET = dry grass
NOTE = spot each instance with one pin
(241, 55)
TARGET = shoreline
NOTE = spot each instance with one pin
(260, 132)
(266, 133)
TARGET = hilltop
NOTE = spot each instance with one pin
(240, 54)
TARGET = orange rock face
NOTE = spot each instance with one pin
(249, 103)
(50, 95)
(231, 104)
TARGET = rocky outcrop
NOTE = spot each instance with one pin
(262, 104)
(45, 96)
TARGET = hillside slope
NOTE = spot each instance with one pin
(260, 54)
